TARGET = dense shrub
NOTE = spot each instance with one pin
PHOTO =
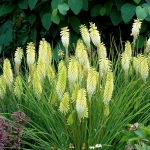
(30, 20)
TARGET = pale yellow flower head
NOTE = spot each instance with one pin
(61, 83)
(94, 34)
(31, 75)
(50, 73)
(102, 50)
(139, 61)
(109, 86)
(43, 49)
(86, 65)
(18, 55)
(136, 64)
(64, 104)
(85, 35)
(91, 81)
(65, 37)
(7, 72)
(2, 86)
(30, 54)
(37, 87)
(81, 103)
(81, 53)
(70, 118)
(79, 47)
(73, 70)
(18, 89)
(41, 68)
(85, 113)
(60, 65)
(104, 66)
(125, 62)
(136, 28)
(75, 93)
(144, 69)
(82, 57)
(49, 54)
(128, 49)
(80, 74)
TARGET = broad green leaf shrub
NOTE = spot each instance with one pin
(30, 20)
(137, 137)
(87, 101)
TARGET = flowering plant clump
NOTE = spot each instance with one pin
(76, 101)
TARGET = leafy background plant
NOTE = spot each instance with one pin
(22, 21)
(138, 138)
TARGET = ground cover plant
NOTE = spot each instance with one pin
(11, 133)
(85, 101)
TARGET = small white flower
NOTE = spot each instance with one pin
(92, 147)
(98, 145)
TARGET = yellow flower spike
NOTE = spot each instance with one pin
(91, 82)
(50, 73)
(80, 74)
(86, 65)
(73, 71)
(2, 86)
(52, 99)
(75, 93)
(37, 87)
(136, 28)
(65, 39)
(86, 37)
(43, 50)
(82, 55)
(64, 104)
(31, 75)
(17, 59)
(60, 65)
(85, 113)
(41, 68)
(109, 86)
(144, 69)
(81, 103)
(102, 50)
(136, 64)
(7, 72)
(18, 89)
(30, 50)
(49, 54)
(106, 110)
(79, 46)
(128, 49)
(94, 34)
(139, 62)
(70, 119)
(125, 63)
(104, 66)
(61, 83)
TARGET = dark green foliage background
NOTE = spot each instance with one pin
(22, 21)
